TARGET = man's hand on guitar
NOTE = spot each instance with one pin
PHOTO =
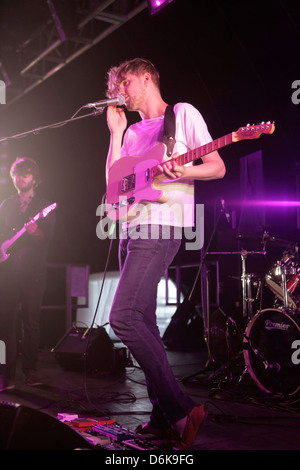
(171, 170)
(33, 229)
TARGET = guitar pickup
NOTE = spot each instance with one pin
(128, 183)
(123, 203)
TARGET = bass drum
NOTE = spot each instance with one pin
(272, 351)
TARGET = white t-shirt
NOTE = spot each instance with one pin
(191, 133)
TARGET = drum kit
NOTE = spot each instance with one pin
(270, 341)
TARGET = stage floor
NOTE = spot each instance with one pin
(241, 415)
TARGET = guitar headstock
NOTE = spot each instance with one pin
(253, 131)
(48, 209)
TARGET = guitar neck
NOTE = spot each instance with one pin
(193, 155)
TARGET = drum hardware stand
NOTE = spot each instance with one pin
(227, 368)
(246, 284)
(245, 278)
(205, 298)
(247, 299)
(284, 288)
(247, 310)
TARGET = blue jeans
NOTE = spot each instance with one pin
(143, 261)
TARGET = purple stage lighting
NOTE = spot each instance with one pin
(156, 5)
(271, 203)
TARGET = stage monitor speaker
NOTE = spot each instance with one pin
(25, 428)
(80, 349)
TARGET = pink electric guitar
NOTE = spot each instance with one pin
(131, 180)
(8, 243)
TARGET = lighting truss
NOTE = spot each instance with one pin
(56, 43)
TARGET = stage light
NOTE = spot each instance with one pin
(156, 5)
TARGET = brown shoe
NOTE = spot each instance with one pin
(194, 421)
(162, 433)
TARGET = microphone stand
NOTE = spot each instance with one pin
(96, 112)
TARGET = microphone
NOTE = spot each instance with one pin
(272, 366)
(119, 100)
(226, 213)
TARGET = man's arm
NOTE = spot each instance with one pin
(117, 124)
(212, 168)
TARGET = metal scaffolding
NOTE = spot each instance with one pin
(71, 29)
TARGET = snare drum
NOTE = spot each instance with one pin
(289, 266)
(269, 351)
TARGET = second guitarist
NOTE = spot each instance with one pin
(23, 275)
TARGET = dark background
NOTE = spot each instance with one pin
(235, 61)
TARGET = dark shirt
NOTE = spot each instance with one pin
(28, 252)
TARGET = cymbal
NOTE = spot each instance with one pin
(280, 241)
(249, 238)
(266, 239)
(251, 276)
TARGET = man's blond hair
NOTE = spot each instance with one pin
(135, 66)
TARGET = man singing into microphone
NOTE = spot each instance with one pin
(144, 259)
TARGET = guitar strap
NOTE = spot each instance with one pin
(169, 129)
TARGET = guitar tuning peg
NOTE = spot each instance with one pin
(248, 125)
